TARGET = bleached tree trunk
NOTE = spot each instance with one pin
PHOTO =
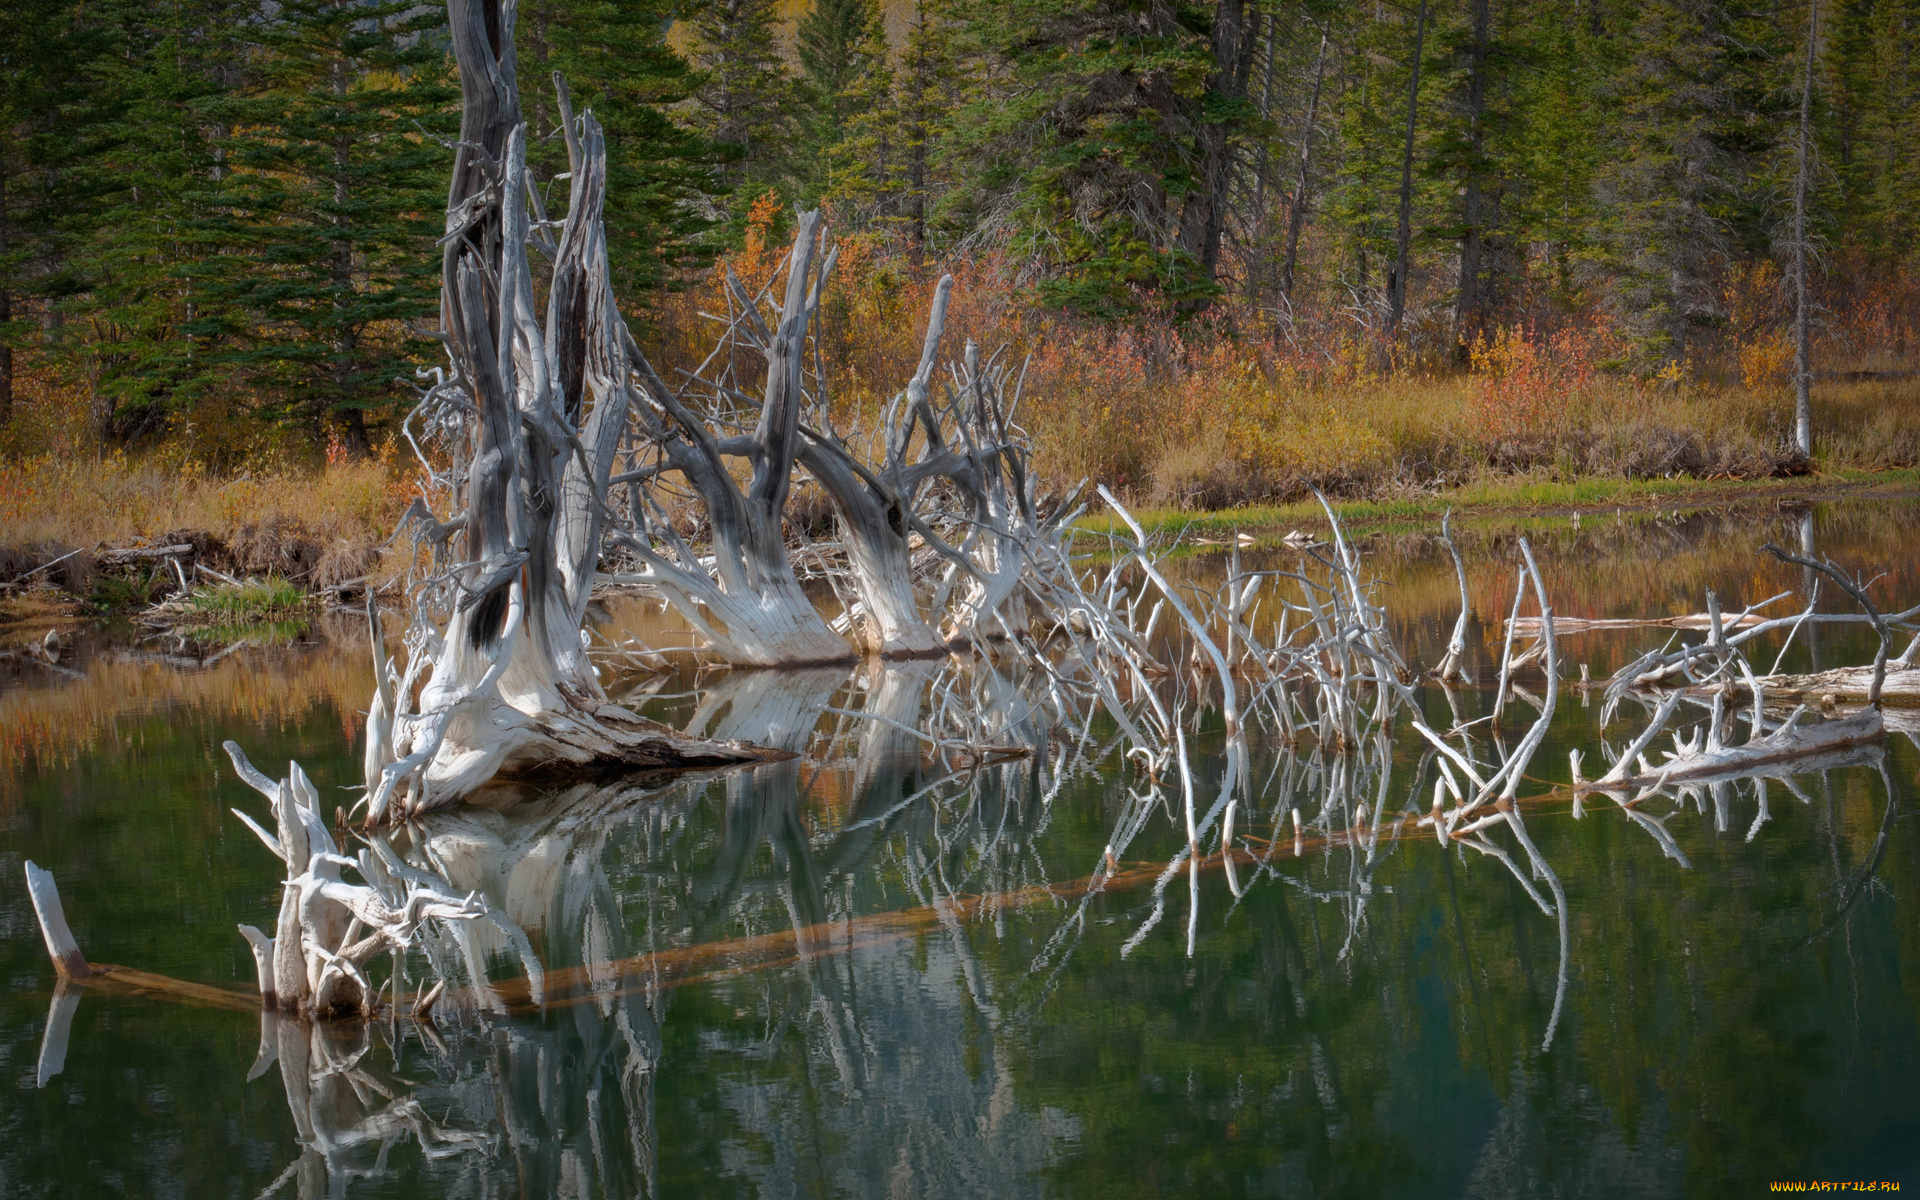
(748, 605)
(1803, 168)
(536, 410)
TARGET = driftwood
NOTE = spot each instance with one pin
(1697, 622)
(1900, 686)
(1706, 754)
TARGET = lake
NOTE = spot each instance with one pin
(869, 972)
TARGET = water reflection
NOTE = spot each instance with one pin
(846, 972)
(895, 966)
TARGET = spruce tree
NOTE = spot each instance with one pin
(747, 102)
(1080, 142)
(886, 167)
(1557, 129)
(332, 204)
(1701, 101)
(614, 58)
(150, 335)
(840, 45)
(48, 131)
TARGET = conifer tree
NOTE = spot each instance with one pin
(47, 131)
(1558, 112)
(840, 44)
(1370, 117)
(1082, 141)
(747, 102)
(614, 58)
(331, 204)
(886, 167)
(152, 334)
(1702, 95)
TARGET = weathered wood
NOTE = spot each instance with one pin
(765, 617)
(61, 947)
(1900, 687)
(1705, 757)
(532, 411)
(1530, 626)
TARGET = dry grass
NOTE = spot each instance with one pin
(115, 501)
(1224, 414)
(1209, 414)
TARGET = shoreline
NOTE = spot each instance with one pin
(1522, 501)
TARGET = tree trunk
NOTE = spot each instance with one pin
(6, 305)
(751, 587)
(510, 689)
(1203, 218)
(1469, 300)
(1802, 319)
(1297, 211)
(1397, 279)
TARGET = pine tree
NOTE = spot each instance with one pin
(840, 45)
(614, 58)
(332, 206)
(747, 102)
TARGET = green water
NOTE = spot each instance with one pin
(846, 975)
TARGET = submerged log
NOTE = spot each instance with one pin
(1705, 756)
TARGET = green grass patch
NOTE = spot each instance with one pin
(254, 602)
(1515, 499)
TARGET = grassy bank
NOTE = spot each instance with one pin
(256, 545)
(1506, 500)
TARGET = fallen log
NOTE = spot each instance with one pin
(1901, 687)
(1704, 756)
(136, 553)
(1698, 622)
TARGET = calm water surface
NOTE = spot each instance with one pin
(861, 974)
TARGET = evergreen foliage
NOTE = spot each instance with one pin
(615, 59)
(748, 103)
(231, 206)
(331, 188)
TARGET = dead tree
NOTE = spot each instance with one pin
(764, 617)
(945, 485)
(531, 417)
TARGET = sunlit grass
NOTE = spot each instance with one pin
(113, 500)
(248, 603)
(1508, 500)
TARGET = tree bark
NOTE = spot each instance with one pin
(1297, 211)
(1397, 280)
(1802, 319)
(510, 690)
(1203, 217)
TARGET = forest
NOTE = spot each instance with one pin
(1246, 247)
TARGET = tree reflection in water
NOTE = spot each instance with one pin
(875, 914)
